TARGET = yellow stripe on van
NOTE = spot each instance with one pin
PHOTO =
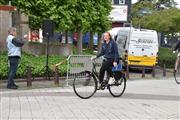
(142, 60)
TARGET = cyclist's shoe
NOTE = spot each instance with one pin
(118, 82)
(111, 80)
(99, 86)
(175, 71)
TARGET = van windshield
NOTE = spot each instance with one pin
(121, 40)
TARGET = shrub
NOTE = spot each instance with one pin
(36, 62)
(166, 57)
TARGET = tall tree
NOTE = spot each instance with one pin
(139, 10)
(3, 2)
(166, 21)
(73, 15)
(99, 22)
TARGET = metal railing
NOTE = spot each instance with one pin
(79, 63)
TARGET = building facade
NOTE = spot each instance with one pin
(11, 17)
(120, 13)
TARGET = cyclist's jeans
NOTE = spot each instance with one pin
(13, 62)
(106, 66)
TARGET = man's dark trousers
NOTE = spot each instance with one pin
(106, 66)
(13, 62)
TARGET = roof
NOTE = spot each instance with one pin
(7, 8)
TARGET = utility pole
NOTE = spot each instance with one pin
(128, 3)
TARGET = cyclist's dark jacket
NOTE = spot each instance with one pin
(109, 51)
(177, 46)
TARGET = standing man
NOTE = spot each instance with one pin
(14, 53)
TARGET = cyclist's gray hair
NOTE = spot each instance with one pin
(11, 30)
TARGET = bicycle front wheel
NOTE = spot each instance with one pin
(177, 76)
(118, 88)
(84, 85)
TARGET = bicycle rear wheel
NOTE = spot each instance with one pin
(85, 85)
(118, 88)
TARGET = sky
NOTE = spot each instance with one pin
(178, 1)
(134, 1)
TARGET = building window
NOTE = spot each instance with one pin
(117, 2)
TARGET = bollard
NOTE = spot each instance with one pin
(164, 70)
(56, 80)
(127, 71)
(153, 71)
(143, 72)
(29, 76)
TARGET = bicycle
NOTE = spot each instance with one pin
(176, 71)
(86, 86)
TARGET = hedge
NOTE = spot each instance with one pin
(38, 62)
(166, 57)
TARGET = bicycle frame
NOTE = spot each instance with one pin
(94, 71)
(104, 83)
(88, 89)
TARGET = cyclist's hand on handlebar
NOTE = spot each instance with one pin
(25, 36)
(114, 64)
(93, 57)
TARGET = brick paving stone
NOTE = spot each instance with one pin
(157, 99)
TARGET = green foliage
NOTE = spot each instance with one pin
(34, 22)
(100, 9)
(37, 64)
(139, 5)
(3, 64)
(88, 52)
(166, 21)
(166, 57)
(4, 2)
(69, 15)
(135, 12)
(85, 51)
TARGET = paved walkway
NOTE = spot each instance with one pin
(143, 99)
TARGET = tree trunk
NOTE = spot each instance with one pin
(99, 42)
(16, 17)
(91, 41)
(66, 37)
(80, 41)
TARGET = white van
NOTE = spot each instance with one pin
(141, 46)
(114, 31)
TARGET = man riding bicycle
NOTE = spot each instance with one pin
(109, 51)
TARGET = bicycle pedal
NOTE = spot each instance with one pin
(100, 88)
(103, 87)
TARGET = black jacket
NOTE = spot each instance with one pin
(17, 43)
(109, 51)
